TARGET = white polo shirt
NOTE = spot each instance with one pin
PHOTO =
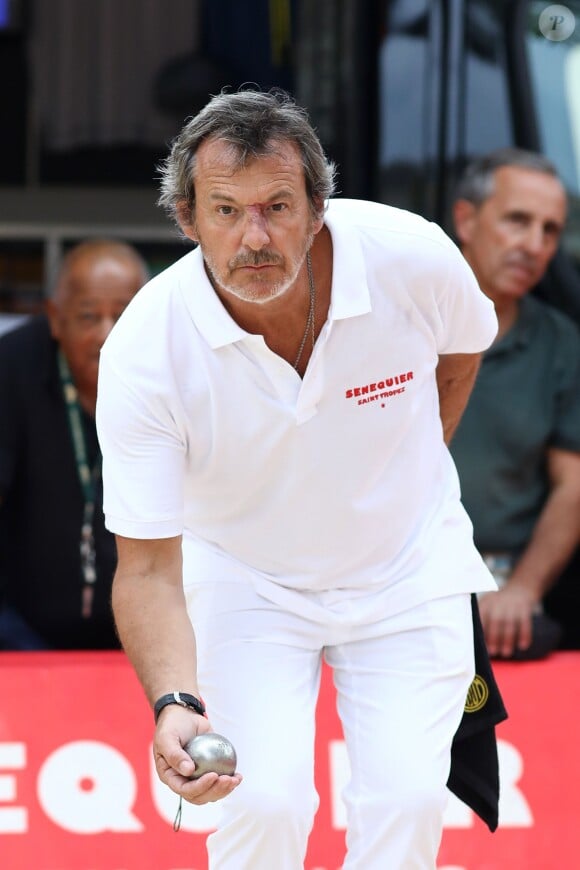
(339, 481)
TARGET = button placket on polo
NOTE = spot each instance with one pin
(313, 381)
(276, 371)
(299, 395)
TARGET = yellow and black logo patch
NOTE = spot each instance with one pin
(477, 695)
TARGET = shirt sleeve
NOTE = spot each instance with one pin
(143, 455)
(465, 320)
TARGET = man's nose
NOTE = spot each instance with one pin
(535, 241)
(256, 233)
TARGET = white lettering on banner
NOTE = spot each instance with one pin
(13, 820)
(195, 819)
(88, 787)
(514, 810)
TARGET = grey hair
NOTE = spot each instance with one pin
(477, 182)
(253, 122)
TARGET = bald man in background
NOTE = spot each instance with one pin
(56, 558)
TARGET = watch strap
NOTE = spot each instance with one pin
(181, 698)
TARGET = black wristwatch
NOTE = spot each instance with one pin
(178, 698)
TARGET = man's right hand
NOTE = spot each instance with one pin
(175, 728)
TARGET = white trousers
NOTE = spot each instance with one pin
(401, 687)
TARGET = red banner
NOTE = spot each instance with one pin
(78, 790)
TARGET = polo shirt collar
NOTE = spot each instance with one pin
(521, 333)
(350, 294)
(205, 307)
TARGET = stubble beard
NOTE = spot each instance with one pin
(262, 292)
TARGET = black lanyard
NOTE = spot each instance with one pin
(88, 479)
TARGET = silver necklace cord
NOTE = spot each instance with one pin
(311, 319)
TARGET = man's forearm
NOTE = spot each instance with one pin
(152, 620)
(456, 375)
(555, 537)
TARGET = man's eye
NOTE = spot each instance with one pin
(278, 206)
(225, 209)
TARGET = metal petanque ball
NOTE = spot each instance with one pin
(211, 753)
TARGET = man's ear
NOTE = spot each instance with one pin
(318, 214)
(185, 220)
(464, 214)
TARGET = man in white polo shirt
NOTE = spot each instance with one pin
(273, 411)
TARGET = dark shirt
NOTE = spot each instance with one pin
(526, 399)
(42, 500)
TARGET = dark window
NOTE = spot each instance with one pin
(409, 102)
(488, 122)
(554, 61)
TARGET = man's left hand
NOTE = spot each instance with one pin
(506, 616)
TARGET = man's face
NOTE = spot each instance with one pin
(254, 224)
(88, 301)
(511, 237)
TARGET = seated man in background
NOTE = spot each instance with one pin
(517, 448)
(56, 558)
